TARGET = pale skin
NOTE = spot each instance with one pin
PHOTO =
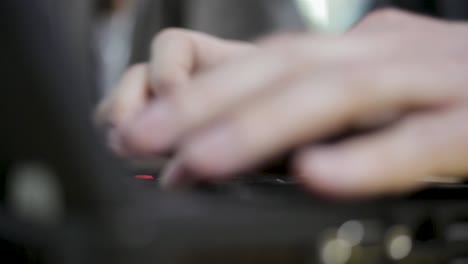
(224, 107)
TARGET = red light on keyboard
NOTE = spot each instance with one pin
(144, 177)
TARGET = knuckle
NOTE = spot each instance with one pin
(279, 40)
(112, 109)
(168, 34)
(135, 70)
(135, 75)
(383, 14)
(109, 114)
(172, 32)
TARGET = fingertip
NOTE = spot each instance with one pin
(214, 153)
(151, 134)
(334, 173)
(315, 172)
(173, 175)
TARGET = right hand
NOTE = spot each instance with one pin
(177, 55)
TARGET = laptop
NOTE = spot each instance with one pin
(91, 209)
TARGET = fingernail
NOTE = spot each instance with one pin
(155, 130)
(171, 175)
(214, 152)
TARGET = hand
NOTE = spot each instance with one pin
(406, 73)
(177, 56)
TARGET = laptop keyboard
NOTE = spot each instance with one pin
(265, 180)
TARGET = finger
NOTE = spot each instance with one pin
(221, 89)
(395, 160)
(308, 110)
(177, 53)
(172, 174)
(386, 20)
(170, 51)
(123, 105)
(176, 175)
(126, 100)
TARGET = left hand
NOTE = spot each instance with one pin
(407, 73)
(177, 55)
